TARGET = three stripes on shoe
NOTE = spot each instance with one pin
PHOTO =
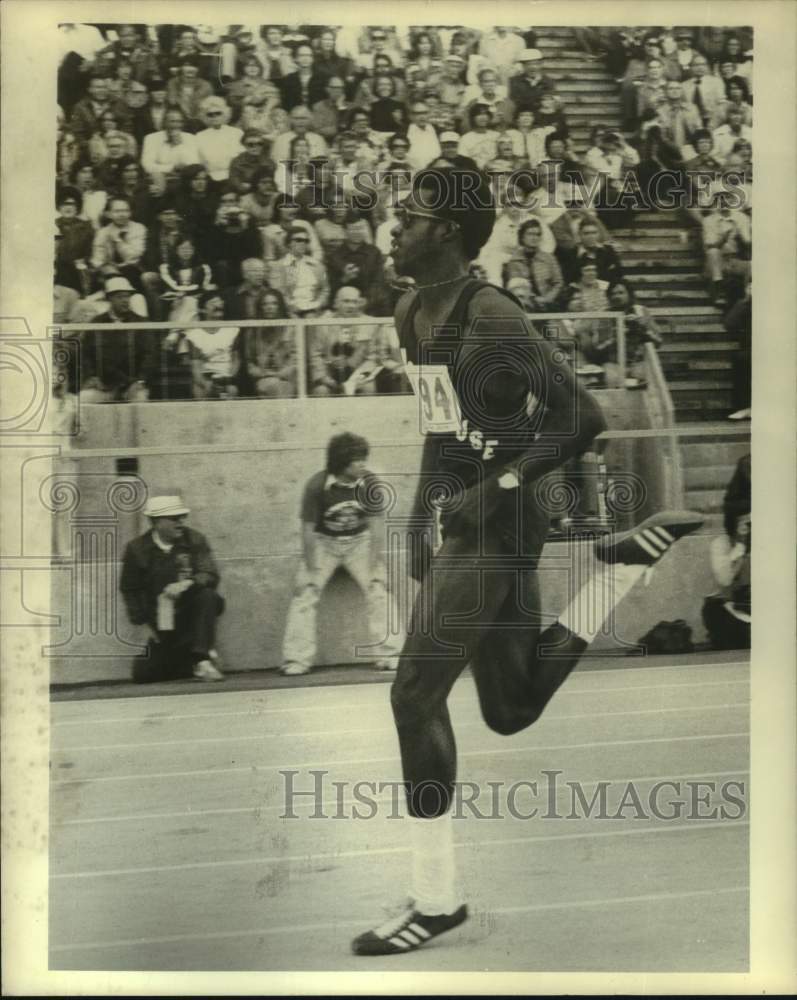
(405, 935)
(655, 540)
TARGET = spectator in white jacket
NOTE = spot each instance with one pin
(165, 152)
(219, 143)
(480, 142)
(424, 144)
(727, 240)
(501, 48)
(727, 135)
(503, 242)
(610, 156)
(705, 91)
(301, 121)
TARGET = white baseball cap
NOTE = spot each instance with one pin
(530, 55)
(118, 284)
(166, 506)
(449, 137)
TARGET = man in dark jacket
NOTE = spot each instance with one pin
(231, 239)
(590, 250)
(527, 88)
(74, 241)
(87, 112)
(305, 86)
(360, 264)
(169, 580)
(115, 365)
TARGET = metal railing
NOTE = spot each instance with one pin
(141, 340)
(662, 413)
(550, 325)
(145, 354)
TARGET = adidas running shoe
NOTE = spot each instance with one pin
(407, 931)
(649, 541)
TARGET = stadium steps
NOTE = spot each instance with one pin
(665, 268)
(589, 94)
(670, 294)
(684, 352)
(706, 477)
(643, 231)
(651, 218)
(700, 397)
(677, 340)
(574, 83)
(643, 278)
(688, 314)
(661, 256)
(558, 38)
(679, 331)
(697, 364)
(705, 501)
(709, 465)
(598, 100)
(643, 263)
(662, 252)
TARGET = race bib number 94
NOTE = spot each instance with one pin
(437, 399)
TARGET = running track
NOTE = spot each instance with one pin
(169, 850)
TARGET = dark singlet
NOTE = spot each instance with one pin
(478, 407)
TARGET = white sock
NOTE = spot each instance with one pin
(598, 597)
(433, 866)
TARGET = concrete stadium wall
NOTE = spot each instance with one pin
(245, 498)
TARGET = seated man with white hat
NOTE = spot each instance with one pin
(449, 151)
(116, 364)
(169, 580)
(527, 87)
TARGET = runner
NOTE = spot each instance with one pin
(500, 408)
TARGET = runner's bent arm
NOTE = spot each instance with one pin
(570, 419)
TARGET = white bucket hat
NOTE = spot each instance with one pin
(171, 506)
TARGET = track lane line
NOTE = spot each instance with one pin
(368, 920)
(699, 825)
(337, 706)
(324, 804)
(381, 729)
(307, 765)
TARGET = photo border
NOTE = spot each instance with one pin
(28, 54)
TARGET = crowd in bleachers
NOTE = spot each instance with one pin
(252, 172)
